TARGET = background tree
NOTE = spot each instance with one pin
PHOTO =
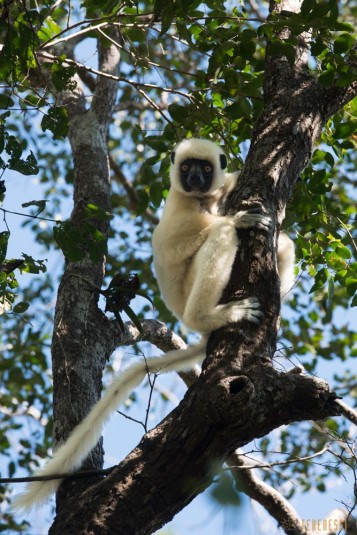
(122, 84)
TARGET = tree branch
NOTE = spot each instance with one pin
(80, 347)
(130, 191)
(133, 83)
(106, 88)
(214, 419)
(272, 500)
(347, 411)
(158, 334)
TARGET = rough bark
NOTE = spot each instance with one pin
(80, 343)
(239, 396)
(177, 460)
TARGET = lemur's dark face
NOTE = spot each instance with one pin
(196, 175)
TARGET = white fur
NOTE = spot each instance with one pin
(194, 249)
(70, 455)
(201, 149)
(286, 262)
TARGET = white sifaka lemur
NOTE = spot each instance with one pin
(194, 248)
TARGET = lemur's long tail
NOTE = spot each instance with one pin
(84, 437)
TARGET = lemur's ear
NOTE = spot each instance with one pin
(223, 161)
(173, 156)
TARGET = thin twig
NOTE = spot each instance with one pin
(282, 463)
(147, 61)
(31, 216)
(348, 233)
(131, 418)
(152, 385)
(85, 473)
(133, 83)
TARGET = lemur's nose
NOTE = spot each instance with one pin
(195, 177)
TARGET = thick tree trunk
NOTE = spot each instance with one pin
(80, 343)
(177, 460)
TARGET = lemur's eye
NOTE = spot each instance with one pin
(208, 168)
(184, 167)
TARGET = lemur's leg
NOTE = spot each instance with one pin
(212, 268)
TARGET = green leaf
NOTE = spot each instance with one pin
(3, 136)
(11, 468)
(54, 27)
(33, 266)
(240, 108)
(25, 167)
(329, 159)
(351, 285)
(147, 174)
(134, 318)
(56, 121)
(21, 307)
(44, 34)
(156, 143)
(62, 75)
(93, 211)
(177, 112)
(320, 10)
(343, 252)
(248, 35)
(345, 130)
(40, 204)
(281, 48)
(266, 29)
(321, 277)
(247, 49)
(96, 243)
(70, 240)
(156, 194)
(330, 294)
(307, 6)
(334, 261)
(343, 43)
(5, 101)
(136, 35)
(317, 47)
(344, 26)
(167, 16)
(77, 241)
(159, 5)
(4, 239)
(327, 78)
(13, 148)
(318, 156)
(143, 201)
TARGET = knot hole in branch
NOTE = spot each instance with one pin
(238, 384)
